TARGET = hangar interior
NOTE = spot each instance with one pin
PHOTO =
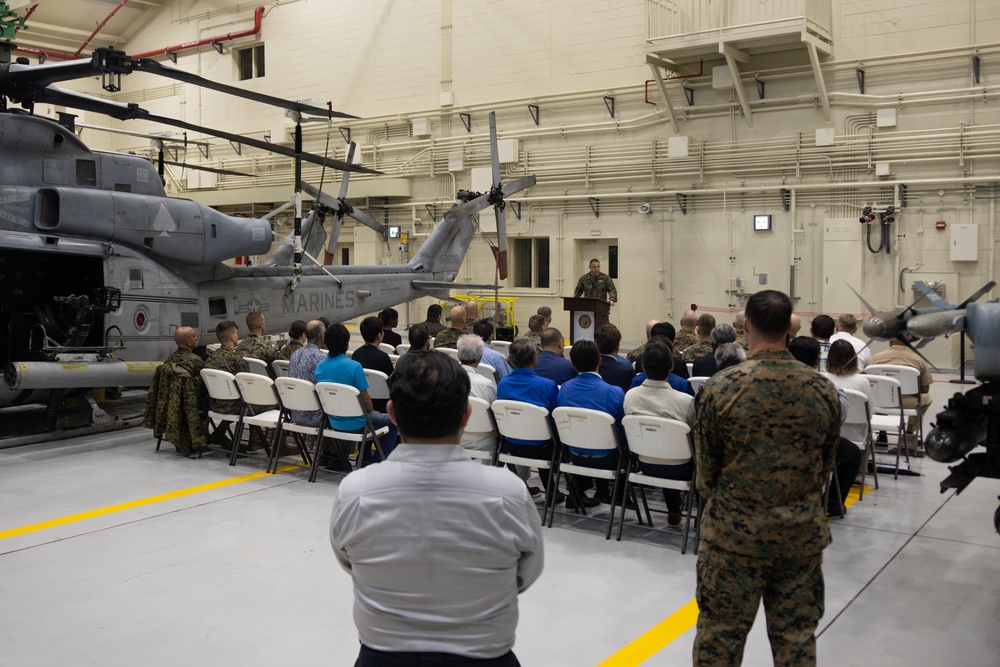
(660, 132)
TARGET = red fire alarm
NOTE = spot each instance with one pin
(941, 224)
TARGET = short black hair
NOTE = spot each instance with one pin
(657, 359)
(389, 315)
(337, 339)
(823, 326)
(429, 393)
(585, 356)
(483, 329)
(370, 327)
(522, 353)
(326, 322)
(805, 349)
(607, 338)
(224, 330)
(663, 329)
(770, 313)
(434, 312)
(551, 336)
(418, 335)
(706, 322)
(296, 330)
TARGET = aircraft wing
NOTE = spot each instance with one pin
(932, 296)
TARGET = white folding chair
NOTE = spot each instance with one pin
(393, 358)
(654, 440)
(431, 339)
(582, 428)
(524, 421)
(690, 367)
(341, 400)
(697, 381)
(300, 395)
(257, 366)
(388, 349)
(487, 372)
(450, 351)
(378, 385)
(481, 421)
(402, 349)
(887, 413)
(909, 385)
(280, 368)
(259, 395)
(501, 346)
(859, 414)
(221, 386)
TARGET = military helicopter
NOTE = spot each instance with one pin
(99, 266)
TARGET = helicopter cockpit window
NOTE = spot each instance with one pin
(86, 172)
(217, 307)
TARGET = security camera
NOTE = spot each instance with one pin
(645, 209)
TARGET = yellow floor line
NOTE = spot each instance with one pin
(111, 509)
(660, 635)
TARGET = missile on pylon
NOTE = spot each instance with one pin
(930, 325)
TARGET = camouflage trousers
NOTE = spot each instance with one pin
(730, 588)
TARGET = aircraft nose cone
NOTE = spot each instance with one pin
(875, 328)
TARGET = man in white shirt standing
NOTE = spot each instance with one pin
(847, 326)
(438, 546)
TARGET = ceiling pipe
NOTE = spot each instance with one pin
(27, 15)
(258, 14)
(100, 25)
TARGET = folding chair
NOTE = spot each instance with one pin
(909, 386)
(481, 421)
(697, 381)
(524, 421)
(591, 430)
(501, 346)
(402, 349)
(300, 395)
(654, 440)
(388, 349)
(257, 366)
(378, 385)
(258, 393)
(887, 412)
(487, 372)
(450, 351)
(858, 414)
(280, 368)
(221, 386)
(341, 400)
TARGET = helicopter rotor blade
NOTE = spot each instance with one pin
(338, 216)
(498, 205)
(978, 295)
(214, 170)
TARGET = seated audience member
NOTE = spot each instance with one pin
(738, 318)
(255, 345)
(296, 339)
(848, 461)
(899, 354)
(524, 384)
(706, 322)
(795, 326)
(822, 328)
(847, 326)
(433, 321)
(535, 325)
(635, 355)
(390, 320)
(471, 315)
(688, 335)
(174, 402)
(437, 546)
(546, 312)
(302, 366)
(550, 362)
(675, 381)
(338, 368)
(706, 366)
(589, 390)
(449, 336)
(419, 338)
(608, 339)
(842, 367)
(326, 324)
(491, 357)
(226, 358)
(371, 356)
(729, 354)
(680, 366)
(655, 397)
(470, 351)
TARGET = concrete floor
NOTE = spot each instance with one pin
(220, 565)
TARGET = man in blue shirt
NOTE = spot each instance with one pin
(589, 390)
(338, 368)
(550, 362)
(491, 357)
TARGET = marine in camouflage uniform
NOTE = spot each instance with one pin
(535, 338)
(231, 361)
(636, 354)
(257, 347)
(684, 340)
(741, 339)
(285, 353)
(174, 404)
(448, 338)
(766, 436)
(698, 350)
(596, 287)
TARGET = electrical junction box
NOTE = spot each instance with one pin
(964, 243)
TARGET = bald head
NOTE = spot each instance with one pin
(649, 328)
(738, 321)
(186, 338)
(314, 331)
(457, 315)
(689, 320)
(796, 325)
(471, 311)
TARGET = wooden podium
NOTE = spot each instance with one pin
(585, 317)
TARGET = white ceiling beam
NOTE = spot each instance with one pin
(824, 98)
(732, 55)
(658, 77)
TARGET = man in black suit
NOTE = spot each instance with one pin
(608, 339)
